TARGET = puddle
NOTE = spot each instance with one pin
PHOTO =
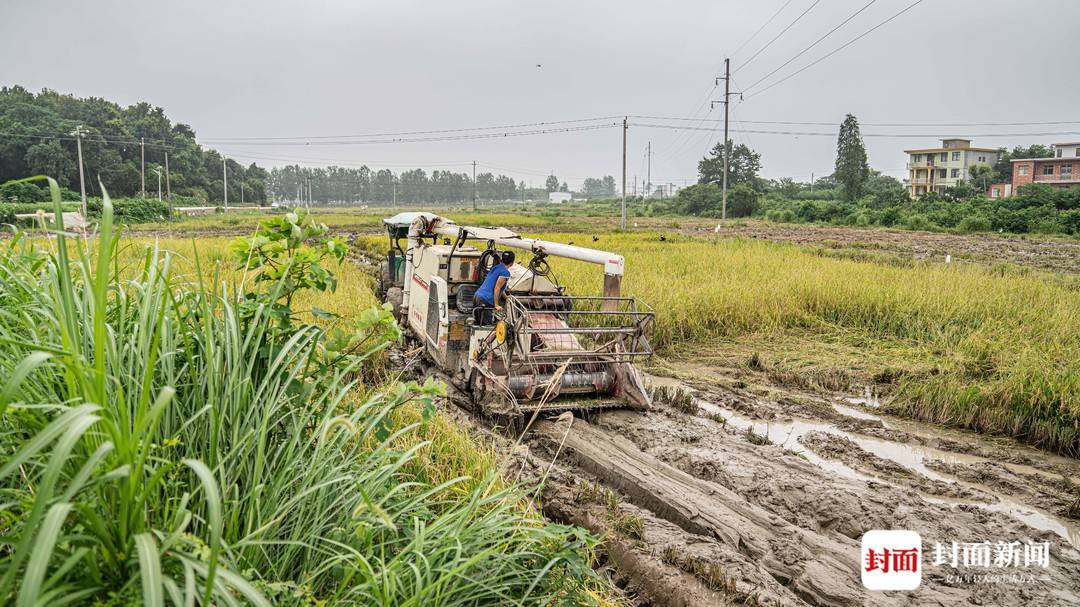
(786, 434)
(868, 399)
(853, 412)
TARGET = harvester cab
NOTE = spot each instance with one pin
(546, 350)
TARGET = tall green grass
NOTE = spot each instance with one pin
(145, 461)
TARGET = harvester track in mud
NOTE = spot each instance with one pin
(697, 511)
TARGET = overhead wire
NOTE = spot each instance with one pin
(763, 26)
(833, 134)
(891, 124)
(407, 133)
(776, 37)
(838, 49)
(813, 44)
(426, 139)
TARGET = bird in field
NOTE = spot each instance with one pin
(595, 238)
(663, 238)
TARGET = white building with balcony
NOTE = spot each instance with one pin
(935, 169)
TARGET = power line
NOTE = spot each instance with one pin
(763, 26)
(842, 47)
(471, 136)
(833, 134)
(897, 124)
(406, 133)
(813, 44)
(769, 43)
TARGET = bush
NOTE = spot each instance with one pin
(7, 213)
(699, 199)
(21, 191)
(1070, 221)
(974, 223)
(134, 210)
(917, 222)
(742, 201)
(780, 215)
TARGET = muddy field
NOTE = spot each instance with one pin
(720, 496)
(1056, 254)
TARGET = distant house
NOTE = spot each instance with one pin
(1062, 171)
(935, 169)
(560, 197)
(999, 190)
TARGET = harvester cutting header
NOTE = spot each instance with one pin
(544, 349)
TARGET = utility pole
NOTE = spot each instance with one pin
(158, 171)
(225, 182)
(168, 186)
(622, 223)
(648, 173)
(142, 166)
(811, 182)
(395, 189)
(82, 180)
(241, 193)
(727, 142)
(474, 186)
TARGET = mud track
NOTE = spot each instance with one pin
(763, 523)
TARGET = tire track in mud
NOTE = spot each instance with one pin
(692, 511)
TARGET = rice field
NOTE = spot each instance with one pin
(999, 351)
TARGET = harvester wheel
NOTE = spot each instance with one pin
(394, 296)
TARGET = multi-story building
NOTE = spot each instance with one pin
(1062, 170)
(934, 169)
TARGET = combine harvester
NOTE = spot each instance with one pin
(546, 351)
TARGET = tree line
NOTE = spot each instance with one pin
(37, 137)
(336, 185)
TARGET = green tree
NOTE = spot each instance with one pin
(609, 186)
(981, 176)
(742, 168)
(592, 187)
(551, 183)
(1003, 167)
(742, 200)
(699, 199)
(852, 169)
(49, 158)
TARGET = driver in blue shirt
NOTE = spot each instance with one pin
(491, 292)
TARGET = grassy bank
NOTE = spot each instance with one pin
(165, 443)
(998, 351)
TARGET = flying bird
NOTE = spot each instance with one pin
(537, 66)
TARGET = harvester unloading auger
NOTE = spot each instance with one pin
(545, 350)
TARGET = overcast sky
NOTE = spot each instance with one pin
(272, 68)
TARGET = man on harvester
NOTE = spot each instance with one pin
(491, 293)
